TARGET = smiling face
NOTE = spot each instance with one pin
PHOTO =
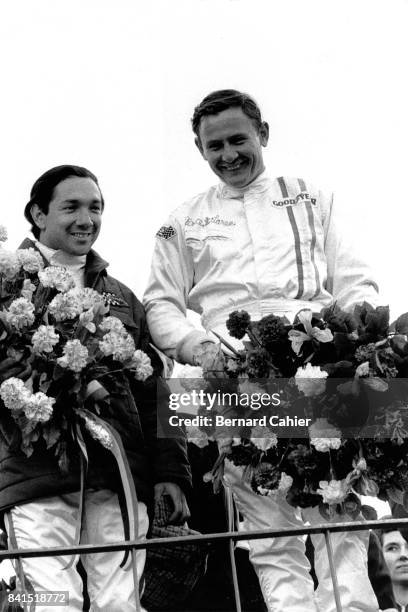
(395, 550)
(232, 145)
(73, 220)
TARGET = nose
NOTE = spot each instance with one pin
(84, 218)
(229, 154)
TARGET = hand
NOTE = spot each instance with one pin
(211, 358)
(181, 511)
(202, 349)
(14, 367)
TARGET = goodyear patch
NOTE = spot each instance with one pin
(301, 197)
(166, 232)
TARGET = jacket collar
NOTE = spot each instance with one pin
(94, 265)
(259, 185)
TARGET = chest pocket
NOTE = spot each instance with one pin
(211, 245)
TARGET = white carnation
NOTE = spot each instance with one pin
(64, 306)
(39, 407)
(263, 438)
(30, 260)
(20, 313)
(44, 339)
(87, 297)
(14, 393)
(9, 265)
(323, 445)
(57, 277)
(311, 380)
(75, 356)
(142, 365)
(196, 436)
(333, 492)
(112, 324)
(188, 371)
(324, 436)
(120, 346)
(191, 378)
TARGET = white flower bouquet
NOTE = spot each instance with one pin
(75, 349)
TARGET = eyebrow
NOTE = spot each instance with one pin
(76, 201)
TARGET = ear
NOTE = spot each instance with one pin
(200, 147)
(264, 133)
(38, 216)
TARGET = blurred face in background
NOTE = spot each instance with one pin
(395, 549)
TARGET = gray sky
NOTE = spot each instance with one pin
(112, 85)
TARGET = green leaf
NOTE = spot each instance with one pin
(378, 320)
(346, 388)
(399, 345)
(51, 435)
(395, 495)
(401, 324)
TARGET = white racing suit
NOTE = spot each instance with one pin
(271, 247)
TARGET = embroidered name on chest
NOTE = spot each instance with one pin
(204, 221)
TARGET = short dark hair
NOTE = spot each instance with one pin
(43, 189)
(221, 100)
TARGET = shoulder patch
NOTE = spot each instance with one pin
(111, 299)
(166, 232)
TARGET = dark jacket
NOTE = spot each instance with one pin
(132, 413)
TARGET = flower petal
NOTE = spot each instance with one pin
(322, 335)
(297, 338)
(305, 317)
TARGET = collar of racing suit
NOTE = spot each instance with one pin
(259, 185)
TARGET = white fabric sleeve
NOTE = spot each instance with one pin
(166, 296)
(349, 277)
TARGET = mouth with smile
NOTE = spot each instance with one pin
(236, 166)
(82, 235)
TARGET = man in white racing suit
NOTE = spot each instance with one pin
(266, 246)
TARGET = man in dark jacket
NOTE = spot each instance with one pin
(40, 504)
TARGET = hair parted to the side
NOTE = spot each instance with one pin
(222, 99)
(43, 189)
(385, 529)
